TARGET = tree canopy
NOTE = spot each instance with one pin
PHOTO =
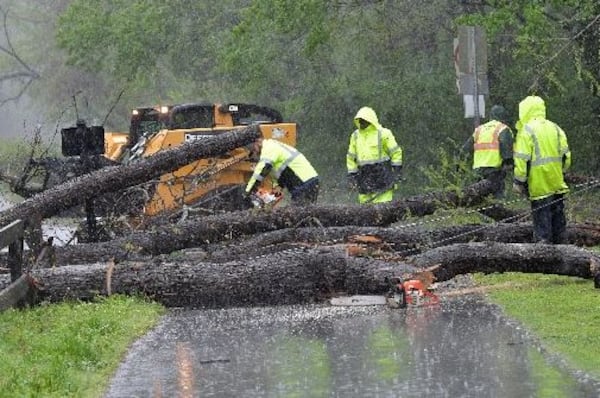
(319, 61)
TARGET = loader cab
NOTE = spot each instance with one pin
(191, 116)
(145, 121)
(149, 120)
(246, 114)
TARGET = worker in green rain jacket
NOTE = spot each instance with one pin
(374, 159)
(492, 146)
(288, 167)
(541, 156)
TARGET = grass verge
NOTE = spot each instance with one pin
(563, 312)
(69, 349)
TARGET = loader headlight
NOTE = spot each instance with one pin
(164, 109)
(135, 112)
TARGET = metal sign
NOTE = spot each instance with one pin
(470, 110)
(470, 60)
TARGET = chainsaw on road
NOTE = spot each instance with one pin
(415, 291)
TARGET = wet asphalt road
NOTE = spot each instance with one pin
(463, 347)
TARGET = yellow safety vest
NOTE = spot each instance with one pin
(486, 145)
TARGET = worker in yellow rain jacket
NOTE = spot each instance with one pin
(374, 159)
(541, 156)
(492, 146)
(288, 167)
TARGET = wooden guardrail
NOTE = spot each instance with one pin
(12, 236)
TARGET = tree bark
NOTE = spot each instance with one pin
(228, 226)
(302, 275)
(111, 179)
(403, 240)
(489, 257)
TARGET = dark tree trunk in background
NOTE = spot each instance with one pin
(111, 179)
(228, 226)
(403, 240)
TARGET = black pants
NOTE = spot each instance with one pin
(305, 193)
(549, 222)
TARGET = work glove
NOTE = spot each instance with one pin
(397, 170)
(352, 181)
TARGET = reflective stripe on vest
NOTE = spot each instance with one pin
(380, 157)
(293, 153)
(539, 159)
(486, 145)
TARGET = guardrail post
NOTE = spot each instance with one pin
(18, 293)
(15, 259)
(12, 236)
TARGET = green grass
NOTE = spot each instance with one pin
(563, 312)
(69, 349)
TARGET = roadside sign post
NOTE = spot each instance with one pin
(470, 62)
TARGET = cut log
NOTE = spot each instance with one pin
(302, 275)
(404, 240)
(228, 226)
(16, 293)
(111, 179)
(489, 257)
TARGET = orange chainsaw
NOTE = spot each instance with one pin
(264, 198)
(415, 291)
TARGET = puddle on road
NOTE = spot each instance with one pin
(462, 348)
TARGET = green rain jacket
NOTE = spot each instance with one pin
(541, 151)
(284, 163)
(371, 154)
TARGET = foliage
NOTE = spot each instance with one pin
(318, 62)
(562, 311)
(452, 171)
(549, 48)
(69, 349)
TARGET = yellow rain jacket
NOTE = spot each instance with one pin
(372, 153)
(284, 163)
(541, 152)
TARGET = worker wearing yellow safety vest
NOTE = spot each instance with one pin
(374, 159)
(542, 155)
(492, 145)
(288, 167)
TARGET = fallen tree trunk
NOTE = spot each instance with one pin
(302, 275)
(228, 226)
(489, 257)
(403, 240)
(16, 293)
(111, 179)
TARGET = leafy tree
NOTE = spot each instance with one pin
(319, 61)
(549, 48)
